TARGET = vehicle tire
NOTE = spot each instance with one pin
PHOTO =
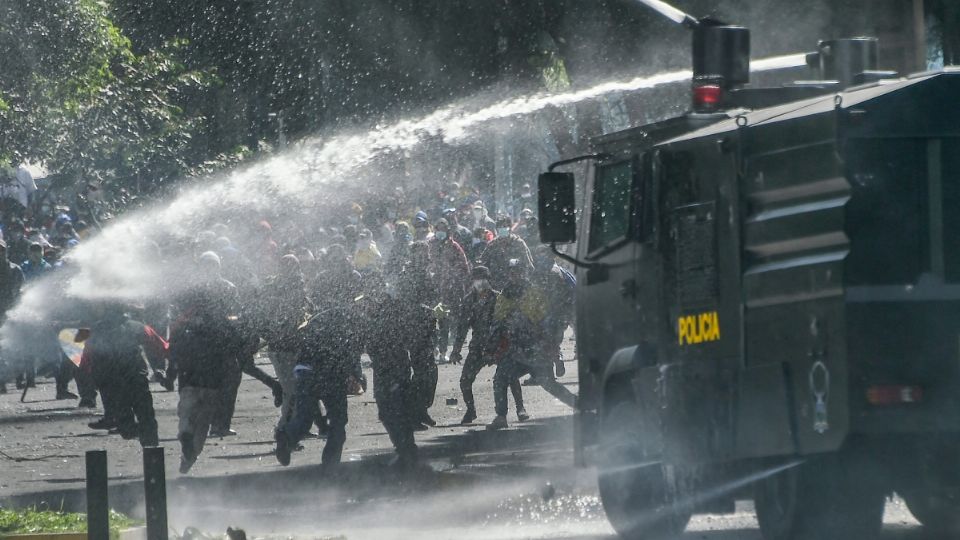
(633, 488)
(827, 498)
(937, 510)
(777, 503)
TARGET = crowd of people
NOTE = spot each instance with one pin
(404, 283)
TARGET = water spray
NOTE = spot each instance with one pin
(672, 13)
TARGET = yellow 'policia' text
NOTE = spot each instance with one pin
(699, 328)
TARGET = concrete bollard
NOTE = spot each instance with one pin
(98, 508)
(155, 492)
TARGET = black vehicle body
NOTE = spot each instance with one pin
(779, 283)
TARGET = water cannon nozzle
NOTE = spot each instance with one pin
(672, 13)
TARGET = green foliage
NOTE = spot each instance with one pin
(75, 96)
(136, 93)
(32, 521)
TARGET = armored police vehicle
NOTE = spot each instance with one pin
(768, 300)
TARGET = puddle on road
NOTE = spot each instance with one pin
(461, 508)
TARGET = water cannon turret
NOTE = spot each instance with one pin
(849, 61)
(721, 62)
(721, 56)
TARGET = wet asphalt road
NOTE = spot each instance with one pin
(474, 484)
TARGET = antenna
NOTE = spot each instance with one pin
(672, 13)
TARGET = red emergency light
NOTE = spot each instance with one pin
(894, 394)
(707, 97)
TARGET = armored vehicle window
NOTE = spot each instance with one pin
(611, 204)
(888, 213)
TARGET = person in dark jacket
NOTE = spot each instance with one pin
(337, 286)
(11, 282)
(451, 272)
(204, 344)
(477, 315)
(387, 343)
(236, 269)
(474, 250)
(18, 244)
(113, 355)
(458, 232)
(519, 318)
(503, 249)
(284, 306)
(35, 265)
(420, 296)
(327, 358)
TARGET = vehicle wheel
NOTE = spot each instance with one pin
(937, 510)
(634, 489)
(828, 498)
(777, 505)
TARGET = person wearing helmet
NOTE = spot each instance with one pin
(421, 227)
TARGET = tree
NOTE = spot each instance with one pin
(77, 97)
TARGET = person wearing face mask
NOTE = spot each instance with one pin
(481, 218)
(367, 258)
(477, 316)
(478, 243)
(501, 250)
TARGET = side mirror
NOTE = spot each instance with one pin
(558, 207)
